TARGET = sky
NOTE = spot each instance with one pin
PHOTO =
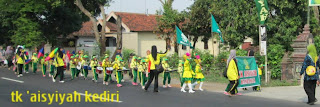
(140, 6)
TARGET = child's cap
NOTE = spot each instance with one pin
(188, 54)
(198, 57)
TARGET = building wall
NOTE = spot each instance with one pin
(148, 39)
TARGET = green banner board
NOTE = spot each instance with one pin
(248, 72)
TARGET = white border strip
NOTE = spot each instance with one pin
(12, 80)
(115, 101)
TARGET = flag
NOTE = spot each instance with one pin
(262, 7)
(41, 53)
(314, 2)
(182, 39)
(51, 55)
(215, 28)
(27, 61)
(26, 53)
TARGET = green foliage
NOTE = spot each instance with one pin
(200, 20)
(126, 53)
(206, 59)
(275, 54)
(173, 60)
(317, 43)
(241, 52)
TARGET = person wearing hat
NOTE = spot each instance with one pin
(26, 66)
(180, 71)
(198, 71)
(143, 67)
(72, 67)
(52, 67)
(138, 72)
(34, 62)
(166, 73)
(20, 56)
(118, 65)
(106, 64)
(94, 65)
(187, 73)
(130, 59)
(44, 65)
(85, 66)
(134, 69)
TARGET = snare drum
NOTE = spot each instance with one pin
(99, 70)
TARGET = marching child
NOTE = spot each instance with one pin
(199, 76)
(93, 65)
(52, 67)
(142, 72)
(187, 73)
(34, 62)
(106, 64)
(72, 67)
(85, 66)
(76, 61)
(118, 65)
(44, 65)
(134, 68)
(166, 73)
(180, 71)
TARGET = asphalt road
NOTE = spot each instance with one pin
(130, 96)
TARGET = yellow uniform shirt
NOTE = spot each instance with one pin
(59, 61)
(155, 62)
(232, 71)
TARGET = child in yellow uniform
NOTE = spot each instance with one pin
(199, 76)
(106, 64)
(34, 62)
(44, 65)
(20, 57)
(166, 73)
(143, 67)
(180, 71)
(72, 67)
(134, 68)
(85, 68)
(93, 65)
(118, 65)
(187, 73)
(52, 67)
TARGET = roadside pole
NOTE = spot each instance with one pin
(263, 49)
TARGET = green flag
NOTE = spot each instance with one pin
(182, 39)
(314, 2)
(262, 7)
(215, 27)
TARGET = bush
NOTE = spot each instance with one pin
(275, 54)
(173, 60)
(317, 43)
(206, 60)
(126, 54)
(241, 52)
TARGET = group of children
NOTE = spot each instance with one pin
(80, 64)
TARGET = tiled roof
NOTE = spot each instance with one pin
(138, 22)
(86, 30)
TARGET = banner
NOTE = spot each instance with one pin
(182, 39)
(215, 28)
(262, 7)
(248, 72)
(263, 40)
(314, 2)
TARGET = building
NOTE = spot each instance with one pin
(137, 34)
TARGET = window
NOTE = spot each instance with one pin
(111, 42)
(206, 45)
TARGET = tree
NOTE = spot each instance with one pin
(92, 8)
(167, 22)
(33, 22)
(200, 20)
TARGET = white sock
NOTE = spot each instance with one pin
(183, 86)
(201, 83)
(190, 87)
(194, 84)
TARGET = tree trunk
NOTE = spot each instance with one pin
(103, 31)
(79, 4)
(195, 40)
(119, 36)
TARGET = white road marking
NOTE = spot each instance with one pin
(101, 98)
(12, 80)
